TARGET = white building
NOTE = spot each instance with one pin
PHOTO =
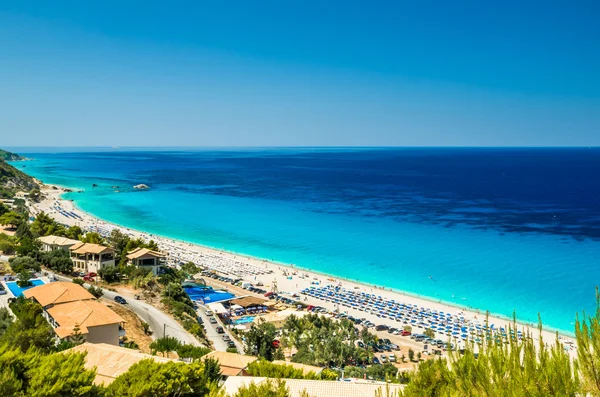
(91, 258)
(52, 243)
(146, 259)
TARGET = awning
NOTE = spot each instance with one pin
(217, 307)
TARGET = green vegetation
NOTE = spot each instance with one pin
(280, 371)
(123, 244)
(259, 340)
(264, 389)
(11, 179)
(149, 378)
(9, 156)
(96, 291)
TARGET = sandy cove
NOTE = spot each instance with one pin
(280, 273)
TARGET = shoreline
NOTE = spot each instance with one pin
(55, 192)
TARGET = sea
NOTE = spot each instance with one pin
(508, 230)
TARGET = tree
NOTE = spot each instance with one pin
(44, 225)
(12, 219)
(74, 232)
(260, 338)
(93, 238)
(192, 352)
(429, 333)
(419, 356)
(190, 268)
(27, 246)
(30, 328)
(24, 263)
(165, 345)
(147, 378)
(587, 333)
(5, 320)
(96, 291)
(146, 328)
(109, 274)
(407, 328)
(58, 260)
(411, 354)
(264, 389)
(3, 209)
(23, 278)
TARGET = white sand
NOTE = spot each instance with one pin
(218, 259)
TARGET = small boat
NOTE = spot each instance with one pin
(94, 185)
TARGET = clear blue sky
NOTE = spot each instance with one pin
(278, 73)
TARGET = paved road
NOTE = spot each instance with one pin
(160, 323)
(211, 331)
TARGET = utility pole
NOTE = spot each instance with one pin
(164, 330)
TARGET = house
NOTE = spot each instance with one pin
(52, 243)
(91, 258)
(111, 361)
(68, 307)
(146, 259)
(317, 388)
(232, 364)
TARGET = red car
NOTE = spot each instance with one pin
(405, 333)
(268, 294)
(88, 278)
(276, 344)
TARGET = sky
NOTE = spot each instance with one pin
(299, 73)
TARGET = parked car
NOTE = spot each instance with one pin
(376, 361)
(209, 313)
(120, 299)
(405, 333)
(230, 344)
(213, 320)
(383, 359)
(220, 330)
(226, 338)
(392, 358)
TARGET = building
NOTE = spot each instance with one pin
(111, 361)
(68, 307)
(91, 258)
(52, 243)
(232, 364)
(317, 388)
(146, 259)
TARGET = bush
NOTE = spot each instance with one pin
(78, 281)
(96, 291)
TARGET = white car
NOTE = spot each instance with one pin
(209, 313)
(392, 358)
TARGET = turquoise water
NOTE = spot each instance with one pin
(206, 294)
(18, 291)
(243, 320)
(500, 230)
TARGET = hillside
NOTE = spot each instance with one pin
(11, 179)
(8, 156)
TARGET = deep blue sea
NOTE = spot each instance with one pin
(496, 229)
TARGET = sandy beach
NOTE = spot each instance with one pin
(289, 279)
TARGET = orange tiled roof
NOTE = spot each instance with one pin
(57, 292)
(84, 314)
(89, 248)
(140, 252)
